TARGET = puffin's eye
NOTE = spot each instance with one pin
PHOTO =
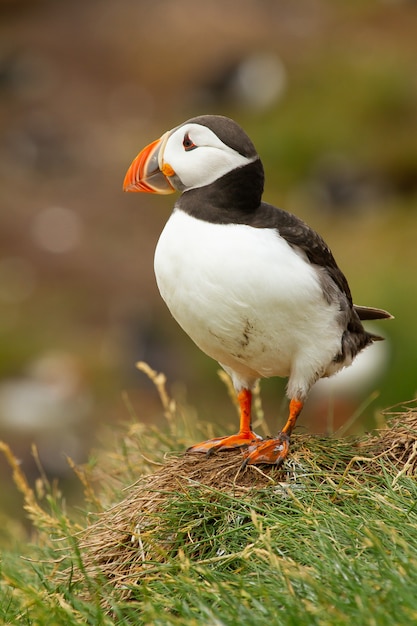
(188, 143)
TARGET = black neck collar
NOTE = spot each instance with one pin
(233, 198)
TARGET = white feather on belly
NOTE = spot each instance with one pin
(248, 300)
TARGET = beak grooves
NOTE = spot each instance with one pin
(144, 173)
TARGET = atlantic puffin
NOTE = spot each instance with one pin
(254, 287)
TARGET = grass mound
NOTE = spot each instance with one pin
(328, 539)
(137, 532)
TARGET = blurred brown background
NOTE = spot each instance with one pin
(328, 93)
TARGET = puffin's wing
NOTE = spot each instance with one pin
(298, 234)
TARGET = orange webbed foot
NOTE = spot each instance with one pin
(230, 442)
(271, 451)
(244, 437)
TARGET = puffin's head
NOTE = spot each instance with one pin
(195, 154)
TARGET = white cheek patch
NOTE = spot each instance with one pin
(210, 165)
(209, 161)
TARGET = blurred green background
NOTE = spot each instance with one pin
(327, 91)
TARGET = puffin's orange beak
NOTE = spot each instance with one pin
(147, 171)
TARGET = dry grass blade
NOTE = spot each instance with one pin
(397, 442)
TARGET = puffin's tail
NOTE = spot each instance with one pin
(369, 313)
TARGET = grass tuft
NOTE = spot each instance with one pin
(168, 538)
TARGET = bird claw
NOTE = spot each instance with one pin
(270, 451)
(230, 442)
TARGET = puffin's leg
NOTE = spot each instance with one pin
(244, 437)
(274, 451)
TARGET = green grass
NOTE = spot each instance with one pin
(333, 540)
(293, 559)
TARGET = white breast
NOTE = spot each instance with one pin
(247, 299)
